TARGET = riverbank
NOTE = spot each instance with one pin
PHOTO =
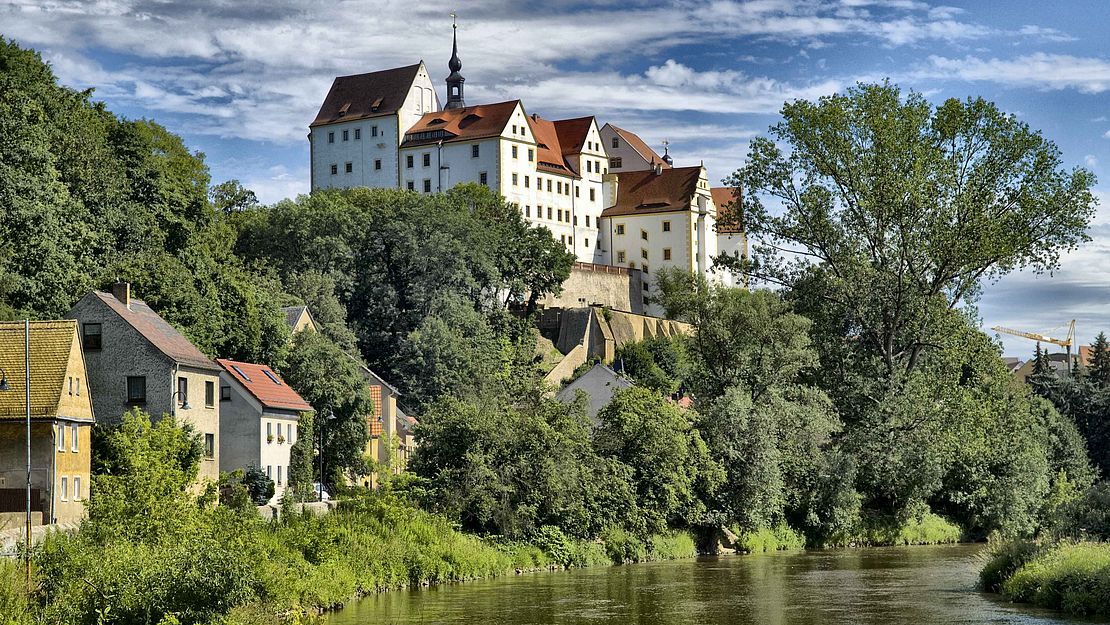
(1073, 577)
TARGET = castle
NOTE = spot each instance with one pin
(601, 190)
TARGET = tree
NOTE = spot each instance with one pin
(657, 363)
(259, 485)
(1098, 369)
(300, 458)
(231, 196)
(1041, 365)
(672, 471)
(902, 209)
(330, 380)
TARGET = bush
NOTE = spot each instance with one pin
(1074, 578)
(779, 538)
(1003, 560)
(1087, 517)
(926, 529)
(14, 602)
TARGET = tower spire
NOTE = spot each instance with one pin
(455, 80)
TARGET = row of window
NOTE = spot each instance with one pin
(531, 152)
(560, 215)
(643, 233)
(290, 429)
(347, 134)
(74, 386)
(348, 167)
(644, 255)
(270, 473)
(136, 391)
(64, 493)
(74, 440)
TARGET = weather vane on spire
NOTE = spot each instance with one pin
(455, 80)
(454, 23)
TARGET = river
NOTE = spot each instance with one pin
(887, 586)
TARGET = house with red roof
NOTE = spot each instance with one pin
(259, 420)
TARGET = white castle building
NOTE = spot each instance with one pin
(601, 191)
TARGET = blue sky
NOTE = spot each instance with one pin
(241, 80)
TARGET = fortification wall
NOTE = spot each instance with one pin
(601, 285)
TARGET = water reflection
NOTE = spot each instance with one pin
(916, 585)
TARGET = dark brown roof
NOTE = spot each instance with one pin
(271, 392)
(462, 124)
(549, 153)
(164, 337)
(366, 95)
(633, 140)
(730, 216)
(643, 192)
(572, 134)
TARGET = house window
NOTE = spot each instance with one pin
(92, 338)
(427, 159)
(349, 167)
(643, 235)
(331, 137)
(269, 432)
(71, 385)
(616, 143)
(666, 226)
(530, 154)
(514, 149)
(346, 135)
(136, 389)
(591, 195)
(586, 242)
(577, 191)
(483, 178)
(76, 488)
(377, 163)
(279, 434)
(514, 132)
(620, 257)
(292, 433)
(549, 185)
(587, 221)
(559, 215)
(643, 254)
(589, 167)
(474, 151)
(73, 440)
(526, 182)
(644, 269)
(270, 471)
(225, 393)
(615, 162)
(527, 210)
(620, 228)
(427, 185)
(209, 393)
(539, 183)
(549, 212)
(559, 187)
(358, 133)
(61, 437)
(576, 220)
(666, 253)
(514, 179)
(411, 186)
(279, 475)
(334, 169)
(65, 489)
(408, 161)
(373, 131)
(209, 445)
(182, 391)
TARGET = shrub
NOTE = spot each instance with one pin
(1087, 517)
(1003, 560)
(1074, 578)
(779, 538)
(14, 602)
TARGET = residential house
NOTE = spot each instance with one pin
(599, 384)
(390, 429)
(61, 423)
(138, 360)
(259, 416)
(299, 318)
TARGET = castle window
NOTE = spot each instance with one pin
(427, 159)
(483, 178)
(377, 163)
(666, 253)
(549, 212)
(620, 257)
(549, 185)
(527, 210)
(615, 162)
(373, 131)
(408, 161)
(331, 137)
(666, 226)
(411, 186)
(346, 135)
(526, 182)
(589, 166)
(591, 195)
(643, 254)
(427, 185)
(586, 242)
(531, 152)
(349, 167)
(620, 228)
(334, 169)
(587, 221)
(474, 151)
(514, 179)
(514, 149)
(643, 235)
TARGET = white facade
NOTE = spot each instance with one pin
(363, 152)
(626, 152)
(254, 435)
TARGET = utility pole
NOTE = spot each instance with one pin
(27, 381)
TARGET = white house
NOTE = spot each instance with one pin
(258, 424)
(732, 240)
(661, 217)
(628, 152)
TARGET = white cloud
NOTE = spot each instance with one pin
(1091, 161)
(1038, 70)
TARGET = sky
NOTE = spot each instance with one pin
(240, 80)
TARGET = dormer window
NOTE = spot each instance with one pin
(343, 109)
(377, 104)
(437, 121)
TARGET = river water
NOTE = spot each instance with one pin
(911, 585)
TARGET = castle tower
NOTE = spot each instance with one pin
(455, 80)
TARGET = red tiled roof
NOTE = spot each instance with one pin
(549, 154)
(730, 216)
(366, 95)
(462, 124)
(633, 140)
(270, 392)
(643, 192)
(572, 134)
(164, 337)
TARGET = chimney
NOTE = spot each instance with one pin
(122, 291)
(657, 167)
(609, 190)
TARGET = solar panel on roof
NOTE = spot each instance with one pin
(273, 378)
(240, 372)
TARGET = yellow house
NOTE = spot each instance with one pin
(61, 423)
(298, 318)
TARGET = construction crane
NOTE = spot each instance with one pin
(1066, 343)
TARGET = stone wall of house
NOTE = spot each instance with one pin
(618, 288)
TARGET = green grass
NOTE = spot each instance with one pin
(14, 602)
(1074, 578)
(780, 538)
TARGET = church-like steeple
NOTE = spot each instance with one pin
(455, 80)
